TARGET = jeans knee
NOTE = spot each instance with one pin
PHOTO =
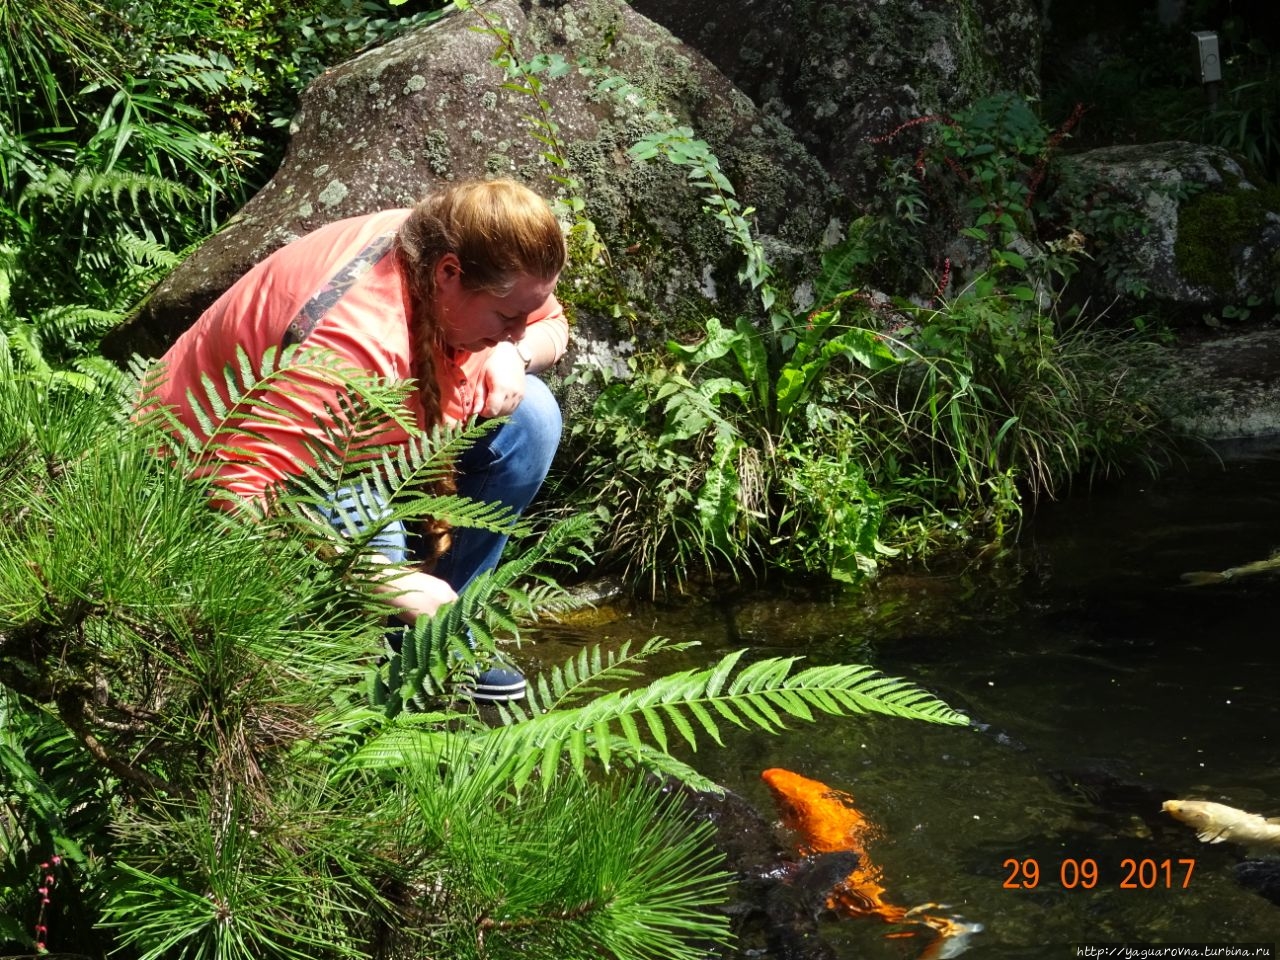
(539, 418)
(510, 464)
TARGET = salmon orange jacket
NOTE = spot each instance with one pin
(827, 821)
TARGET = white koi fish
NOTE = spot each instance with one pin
(1216, 822)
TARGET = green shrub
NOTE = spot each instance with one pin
(123, 143)
(819, 443)
(204, 721)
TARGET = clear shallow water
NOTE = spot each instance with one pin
(1107, 684)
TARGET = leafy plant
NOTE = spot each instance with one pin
(47, 45)
(204, 715)
(980, 174)
(796, 443)
(83, 249)
(123, 144)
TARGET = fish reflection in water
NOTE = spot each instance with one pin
(828, 822)
(1202, 578)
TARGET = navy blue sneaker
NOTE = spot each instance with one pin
(495, 685)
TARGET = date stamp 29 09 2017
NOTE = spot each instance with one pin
(1085, 873)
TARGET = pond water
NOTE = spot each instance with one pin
(1107, 686)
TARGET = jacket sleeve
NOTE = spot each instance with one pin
(549, 322)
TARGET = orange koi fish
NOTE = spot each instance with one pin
(827, 821)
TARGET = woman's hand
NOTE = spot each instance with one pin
(503, 381)
(413, 593)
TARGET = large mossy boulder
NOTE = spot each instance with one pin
(1203, 238)
(432, 106)
(843, 75)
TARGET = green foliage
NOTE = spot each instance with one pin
(979, 175)
(722, 448)
(61, 289)
(995, 402)
(1141, 84)
(679, 146)
(128, 131)
(637, 729)
(437, 652)
(796, 443)
(92, 211)
(1247, 121)
(203, 718)
(44, 42)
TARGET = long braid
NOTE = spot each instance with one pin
(498, 230)
(424, 338)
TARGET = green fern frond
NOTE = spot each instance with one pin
(465, 632)
(586, 674)
(557, 545)
(641, 727)
(433, 654)
(105, 375)
(765, 694)
(129, 264)
(391, 477)
(74, 188)
(523, 588)
(21, 341)
(146, 251)
(224, 405)
(76, 322)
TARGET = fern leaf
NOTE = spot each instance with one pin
(681, 724)
(629, 730)
(593, 667)
(790, 702)
(703, 717)
(578, 751)
(748, 705)
(715, 682)
(656, 728)
(105, 375)
(600, 733)
(551, 759)
(726, 709)
(765, 694)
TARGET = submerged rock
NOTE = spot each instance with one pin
(776, 904)
(1260, 876)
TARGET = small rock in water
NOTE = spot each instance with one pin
(1260, 876)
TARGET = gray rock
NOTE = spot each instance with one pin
(385, 128)
(1225, 387)
(1206, 238)
(841, 74)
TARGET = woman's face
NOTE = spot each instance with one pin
(473, 319)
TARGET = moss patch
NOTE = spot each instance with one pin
(1213, 227)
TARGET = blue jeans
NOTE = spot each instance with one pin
(505, 466)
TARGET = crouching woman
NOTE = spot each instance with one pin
(455, 294)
